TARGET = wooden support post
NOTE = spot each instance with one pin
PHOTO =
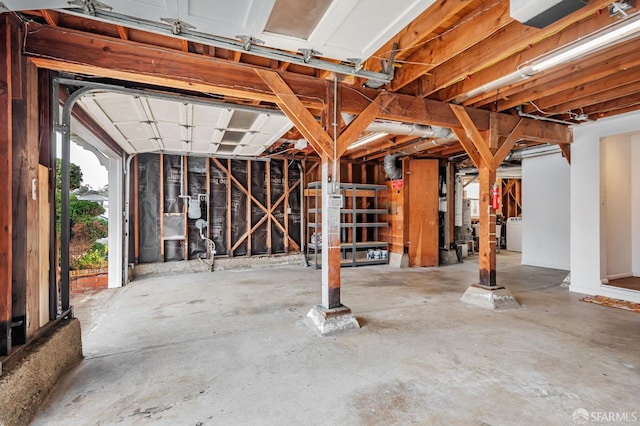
(6, 206)
(487, 153)
(330, 235)
(487, 244)
(30, 181)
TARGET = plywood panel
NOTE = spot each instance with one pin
(45, 227)
(422, 192)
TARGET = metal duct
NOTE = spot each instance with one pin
(398, 128)
(393, 172)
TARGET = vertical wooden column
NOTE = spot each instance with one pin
(5, 189)
(487, 152)
(30, 181)
(330, 235)
(487, 249)
(330, 214)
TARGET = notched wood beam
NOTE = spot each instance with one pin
(361, 122)
(298, 114)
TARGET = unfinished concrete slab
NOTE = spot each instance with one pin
(489, 297)
(231, 347)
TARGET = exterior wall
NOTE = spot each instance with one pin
(546, 211)
(587, 261)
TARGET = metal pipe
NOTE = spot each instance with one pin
(538, 117)
(225, 43)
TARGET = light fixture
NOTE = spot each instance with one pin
(366, 139)
(610, 36)
(615, 34)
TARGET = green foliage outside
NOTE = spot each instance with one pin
(86, 225)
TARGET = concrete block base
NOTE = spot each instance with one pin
(26, 383)
(332, 321)
(496, 298)
(398, 260)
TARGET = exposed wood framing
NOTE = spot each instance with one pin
(298, 114)
(268, 210)
(74, 51)
(511, 198)
(501, 44)
(6, 207)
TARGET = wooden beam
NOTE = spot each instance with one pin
(591, 93)
(468, 146)
(599, 67)
(6, 207)
(31, 176)
(472, 132)
(453, 42)
(566, 152)
(123, 32)
(503, 43)
(51, 16)
(73, 51)
(298, 114)
(512, 63)
(508, 144)
(361, 122)
(411, 37)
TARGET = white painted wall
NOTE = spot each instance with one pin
(615, 204)
(586, 252)
(546, 211)
(635, 205)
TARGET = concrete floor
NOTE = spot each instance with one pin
(232, 347)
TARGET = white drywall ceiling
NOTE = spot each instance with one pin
(141, 124)
(347, 29)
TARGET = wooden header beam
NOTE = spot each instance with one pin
(74, 51)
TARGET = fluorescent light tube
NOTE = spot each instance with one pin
(591, 44)
(369, 138)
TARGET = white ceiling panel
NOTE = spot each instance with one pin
(345, 29)
(135, 130)
(371, 23)
(141, 124)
